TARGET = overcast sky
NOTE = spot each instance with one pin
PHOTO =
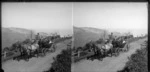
(37, 15)
(127, 16)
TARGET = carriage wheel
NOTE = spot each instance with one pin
(105, 53)
(112, 52)
(109, 53)
(117, 52)
(54, 48)
(37, 53)
(44, 52)
(124, 49)
(121, 50)
(127, 48)
(42, 55)
(51, 50)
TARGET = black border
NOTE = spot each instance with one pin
(75, 0)
(148, 33)
(148, 6)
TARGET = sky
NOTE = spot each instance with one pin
(37, 16)
(121, 17)
(58, 16)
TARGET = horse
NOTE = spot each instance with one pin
(107, 48)
(33, 48)
(24, 52)
(30, 49)
(27, 48)
(98, 50)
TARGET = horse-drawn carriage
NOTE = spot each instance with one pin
(115, 46)
(38, 48)
(120, 45)
(30, 48)
(101, 49)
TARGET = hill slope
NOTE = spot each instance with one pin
(12, 35)
(85, 34)
(82, 35)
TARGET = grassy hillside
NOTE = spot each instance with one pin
(12, 35)
(85, 34)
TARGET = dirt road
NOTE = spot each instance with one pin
(109, 64)
(34, 64)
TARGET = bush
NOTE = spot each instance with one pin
(27, 41)
(137, 62)
(62, 62)
(5, 49)
(100, 41)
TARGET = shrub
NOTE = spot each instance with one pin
(137, 62)
(27, 41)
(62, 62)
(100, 41)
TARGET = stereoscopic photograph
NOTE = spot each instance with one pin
(74, 36)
